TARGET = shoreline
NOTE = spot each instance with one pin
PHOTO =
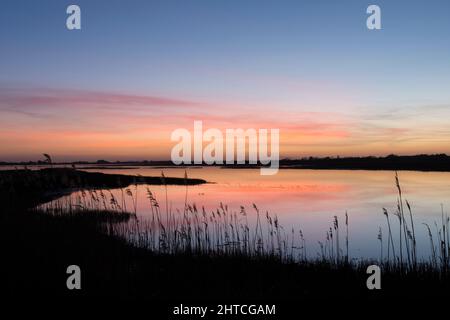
(29, 188)
(116, 268)
(424, 163)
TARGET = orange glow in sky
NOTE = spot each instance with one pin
(82, 125)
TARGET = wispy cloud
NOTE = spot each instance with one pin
(29, 100)
(90, 123)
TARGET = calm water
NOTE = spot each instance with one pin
(308, 200)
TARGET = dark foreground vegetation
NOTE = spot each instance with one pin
(189, 264)
(31, 187)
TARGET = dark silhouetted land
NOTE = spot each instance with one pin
(38, 245)
(440, 162)
(36, 186)
(437, 162)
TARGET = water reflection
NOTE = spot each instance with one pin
(306, 199)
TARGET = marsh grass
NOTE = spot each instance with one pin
(407, 261)
(227, 233)
(189, 253)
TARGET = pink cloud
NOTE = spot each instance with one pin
(32, 100)
(87, 122)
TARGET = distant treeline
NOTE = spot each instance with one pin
(424, 162)
(438, 162)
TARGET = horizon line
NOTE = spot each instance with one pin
(105, 161)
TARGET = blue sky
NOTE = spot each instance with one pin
(289, 56)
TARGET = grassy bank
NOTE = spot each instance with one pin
(40, 247)
(26, 188)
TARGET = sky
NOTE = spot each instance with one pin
(138, 70)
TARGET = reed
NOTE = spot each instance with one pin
(225, 233)
(346, 237)
(380, 238)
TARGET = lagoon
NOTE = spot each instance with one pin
(309, 199)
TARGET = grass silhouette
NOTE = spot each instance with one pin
(203, 254)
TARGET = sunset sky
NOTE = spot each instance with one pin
(138, 70)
